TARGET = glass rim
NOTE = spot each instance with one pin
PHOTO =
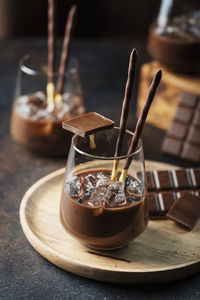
(109, 157)
(34, 71)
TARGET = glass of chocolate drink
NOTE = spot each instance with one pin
(100, 212)
(174, 37)
(36, 124)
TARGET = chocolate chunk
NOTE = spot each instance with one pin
(185, 210)
(182, 179)
(171, 146)
(196, 175)
(183, 114)
(188, 99)
(161, 203)
(154, 209)
(178, 130)
(87, 124)
(178, 179)
(162, 180)
(194, 135)
(165, 186)
(190, 152)
(168, 200)
(196, 119)
(183, 137)
(150, 183)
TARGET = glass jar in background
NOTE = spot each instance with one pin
(99, 212)
(36, 124)
(174, 37)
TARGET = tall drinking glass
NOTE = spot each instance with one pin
(99, 212)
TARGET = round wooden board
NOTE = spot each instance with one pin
(163, 252)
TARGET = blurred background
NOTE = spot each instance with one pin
(101, 18)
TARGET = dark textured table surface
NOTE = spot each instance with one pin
(24, 274)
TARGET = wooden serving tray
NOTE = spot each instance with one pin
(163, 252)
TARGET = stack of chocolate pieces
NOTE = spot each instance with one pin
(165, 187)
(183, 137)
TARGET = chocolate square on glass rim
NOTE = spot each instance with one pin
(87, 124)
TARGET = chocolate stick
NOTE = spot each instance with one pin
(140, 124)
(65, 54)
(125, 110)
(50, 84)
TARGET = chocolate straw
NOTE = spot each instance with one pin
(140, 123)
(65, 54)
(50, 85)
(125, 109)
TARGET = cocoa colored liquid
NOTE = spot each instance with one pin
(103, 227)
(40, 130)
(177, 46)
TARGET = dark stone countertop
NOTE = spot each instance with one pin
(24, 274)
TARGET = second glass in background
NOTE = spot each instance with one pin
(35, 124)
(174, 37)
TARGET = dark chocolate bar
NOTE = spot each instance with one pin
(173, 179)
(185, 210)
(161, 203)
(87, 124)
(183, 137)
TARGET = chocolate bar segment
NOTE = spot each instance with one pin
(196, 119)
(185, 210)
(166, 186)
(87, 124)
(150, 183)
(161, 203)
(154, 209)
(194, 135)
(179, 179)
(183, 114)
(190, 152)
(188, 100)
(183, 137)
(178, 130)
(171, 146)
(196, 175)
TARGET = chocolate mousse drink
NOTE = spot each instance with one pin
(46, 97)
(174, 39)
(36, 124)
(103, 202)
(100, 212)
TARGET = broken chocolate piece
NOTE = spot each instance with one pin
(87, 124)
(185, 210)
(183, 137)
(166, 186)
(160, 203)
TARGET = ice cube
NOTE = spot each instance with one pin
(73, 186)
(90, 181)
(103, 180)
(98, 196)
(115, 193)
(85, 196)
(134, 188)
